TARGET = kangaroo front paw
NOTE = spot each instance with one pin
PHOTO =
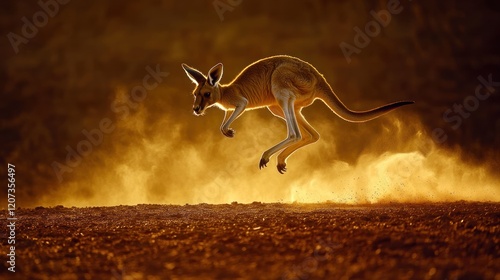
(281, 168)
(263, 163)
(228, 133)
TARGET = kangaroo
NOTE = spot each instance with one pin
(284, 85)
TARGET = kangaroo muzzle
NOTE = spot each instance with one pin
(197, 110)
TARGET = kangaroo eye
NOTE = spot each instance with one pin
(207, 94)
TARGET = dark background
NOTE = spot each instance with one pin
(91, 54)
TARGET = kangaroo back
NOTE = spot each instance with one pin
(327, 95)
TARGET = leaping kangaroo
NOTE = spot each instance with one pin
(284, 85)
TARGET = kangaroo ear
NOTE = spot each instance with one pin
(194, 75)
(215, 74)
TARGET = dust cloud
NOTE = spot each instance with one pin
(86, 60)
(400, 163)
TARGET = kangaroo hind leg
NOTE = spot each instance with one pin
(309, 136)
(287, 106)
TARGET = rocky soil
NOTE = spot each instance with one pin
(257, 241)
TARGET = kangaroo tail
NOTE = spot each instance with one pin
(333, 102)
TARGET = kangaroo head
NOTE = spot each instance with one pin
(207, 91)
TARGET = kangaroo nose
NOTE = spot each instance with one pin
(196, 109)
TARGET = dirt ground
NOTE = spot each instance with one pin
(258, 241)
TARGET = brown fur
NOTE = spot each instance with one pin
(284, 85)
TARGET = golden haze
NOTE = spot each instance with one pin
(400, 163)
(65, 78)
